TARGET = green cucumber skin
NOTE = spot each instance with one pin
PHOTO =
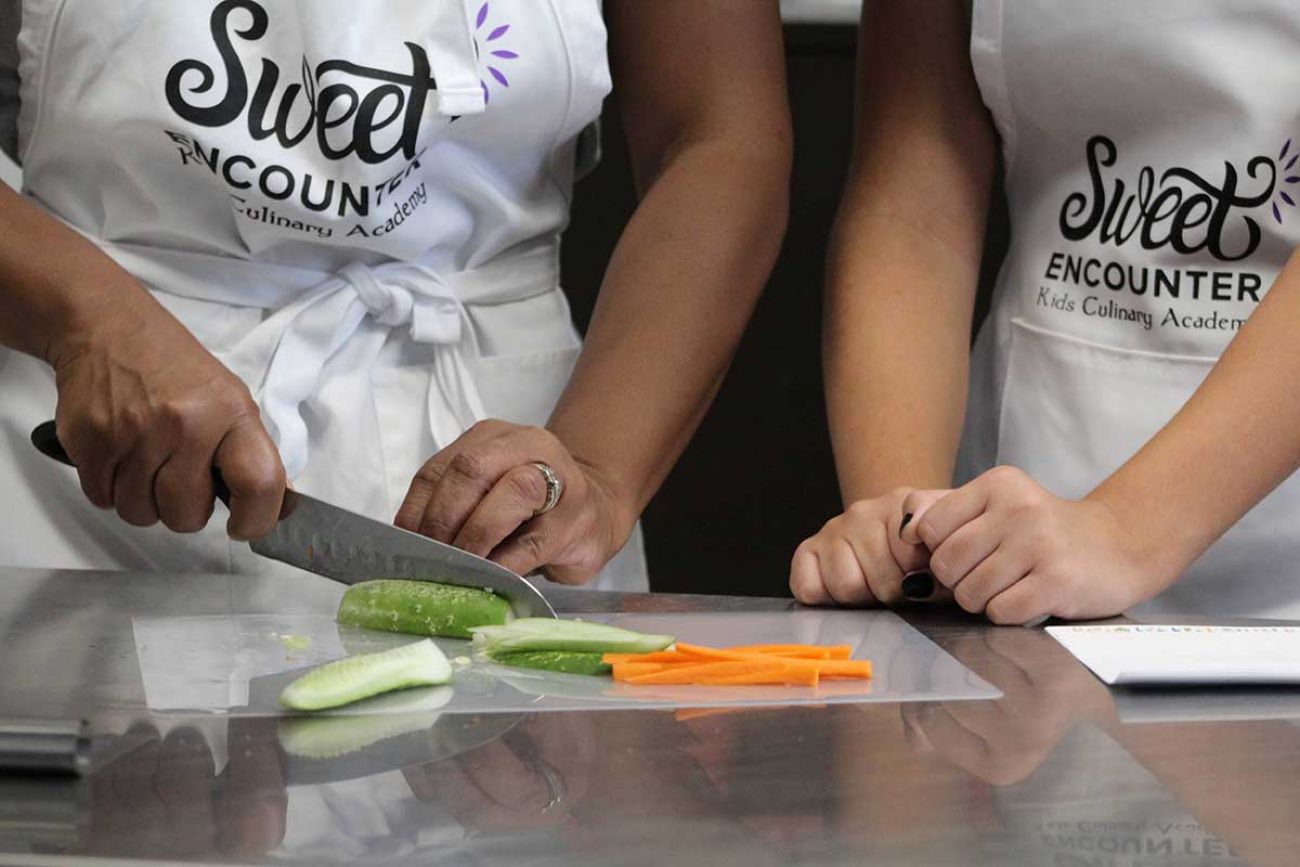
(578, 636)
(356, 677)
(564, 662)
(421, 608)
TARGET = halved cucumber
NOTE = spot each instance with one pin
(356, 677)
(540, 633)
(563, 661)
(421, 607)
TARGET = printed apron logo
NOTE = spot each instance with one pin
(1178, 210)
(339, 108)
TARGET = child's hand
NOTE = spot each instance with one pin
(1009, 548)
(858, 558)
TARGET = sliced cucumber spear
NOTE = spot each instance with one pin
(421, 608)
(356, 677)
(540, 633)
(563, 661)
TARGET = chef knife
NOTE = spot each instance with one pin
(349, 548)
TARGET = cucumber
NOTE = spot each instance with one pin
(540, 633)
(356, 677)
(421, 608)
(563, 661)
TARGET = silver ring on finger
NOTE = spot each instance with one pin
(554, 488)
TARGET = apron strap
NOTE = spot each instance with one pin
(454, 57)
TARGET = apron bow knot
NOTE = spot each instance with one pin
(388, 303)
(317, 337)
(401, 294)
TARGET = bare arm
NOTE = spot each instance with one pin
(1239, 430)
(144, 409)
(702, 87)
(45, 269)
(904, 264)
(1131, 538)
(905, 256)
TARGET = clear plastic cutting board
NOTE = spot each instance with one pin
(238, 664)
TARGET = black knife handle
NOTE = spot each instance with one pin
(46, 439)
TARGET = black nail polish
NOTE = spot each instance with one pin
(907, 519)
(918, 586)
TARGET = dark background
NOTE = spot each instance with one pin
(759, 476)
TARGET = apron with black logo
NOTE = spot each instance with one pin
(355, 206)
(1153, 175)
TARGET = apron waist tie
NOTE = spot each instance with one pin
(317, 338)
(312, 343)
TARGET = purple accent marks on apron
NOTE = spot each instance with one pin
(499, 53)
(1290, 180)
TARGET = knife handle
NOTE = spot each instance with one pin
(46, 439)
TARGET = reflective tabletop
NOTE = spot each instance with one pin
(1056, 770)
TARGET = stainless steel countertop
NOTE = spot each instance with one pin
(1059, 771)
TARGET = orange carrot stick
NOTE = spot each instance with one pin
(793, 664)
(735, 673)
(798, 651)
(853, 668)
(693, 673)
(789, 675)
(658, 656)
(624, 670)
(718, 653)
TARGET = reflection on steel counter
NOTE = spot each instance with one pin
(1047, 774)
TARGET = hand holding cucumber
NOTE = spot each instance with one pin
(516, 495)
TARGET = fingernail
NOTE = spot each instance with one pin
(918, 586)
(907, 519)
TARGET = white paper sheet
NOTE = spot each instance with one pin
(1173, 655)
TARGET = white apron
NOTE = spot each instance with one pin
(355, 206)
(1153, 169)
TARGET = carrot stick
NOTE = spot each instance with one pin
(701, 652)
(798, 651)
(624, 670)
(793, 664)
(693, 673)
(854, 668)
(658, 656)
(736, 672)
(791, 675)
(833, 668)
(692, 652)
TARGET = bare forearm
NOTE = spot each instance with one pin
(906, 251)
(53, 282)
(676, 297)
(896, 358)
(1238, 436)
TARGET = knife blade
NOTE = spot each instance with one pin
(344, 546)
(349, 548)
